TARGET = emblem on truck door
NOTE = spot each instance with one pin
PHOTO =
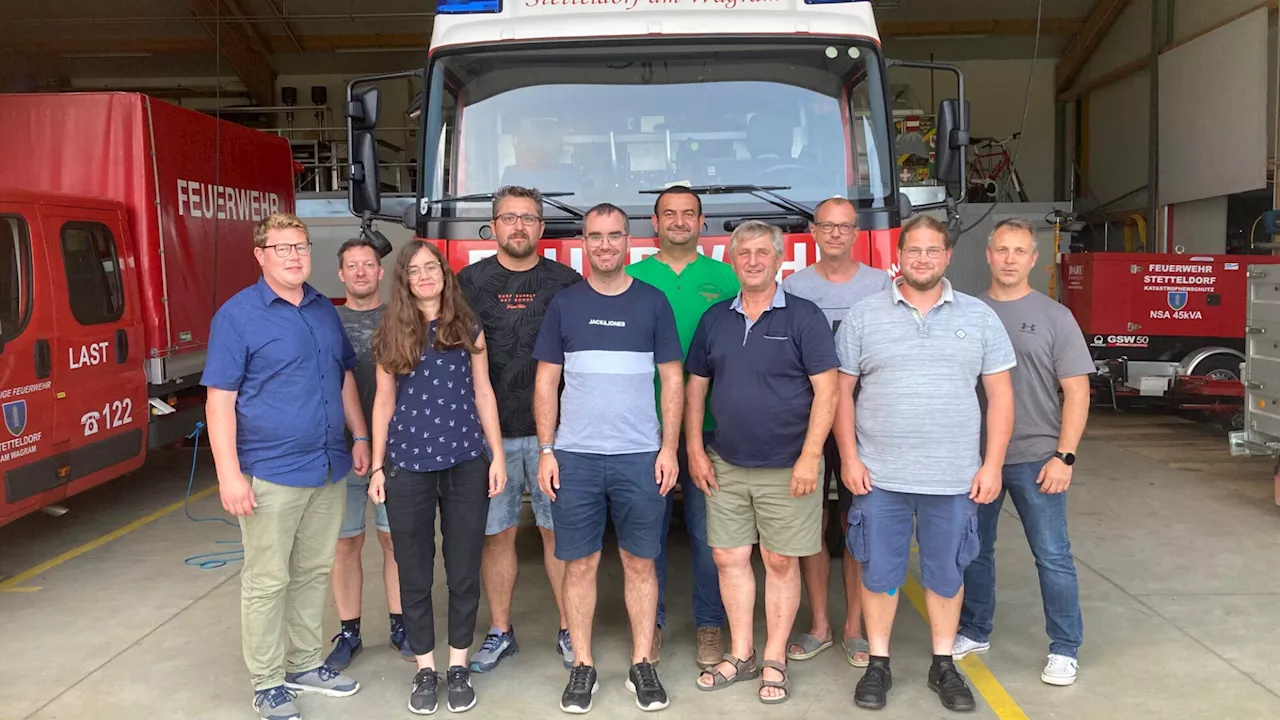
(15, 417)
(1177, 299)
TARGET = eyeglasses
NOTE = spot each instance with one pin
(914, 252)
(282, 249)
(510, 219)
(614, 238)
(830, 227)
(432, 268)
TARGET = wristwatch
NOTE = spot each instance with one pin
(546, 449)
(1067, 458)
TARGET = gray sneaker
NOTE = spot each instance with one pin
(496, 647)
(323, 680)
(564, 646)
(276, 704)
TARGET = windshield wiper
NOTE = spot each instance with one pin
(764, 192)
(547, 197)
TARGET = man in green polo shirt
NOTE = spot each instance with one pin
(692, 283)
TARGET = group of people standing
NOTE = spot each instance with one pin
(597, 397)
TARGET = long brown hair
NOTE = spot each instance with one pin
(400, 340)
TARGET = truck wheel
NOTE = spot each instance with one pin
(1219, 367)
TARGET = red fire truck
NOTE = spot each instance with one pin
(1165, 329)
(125, 222)
(766, 107)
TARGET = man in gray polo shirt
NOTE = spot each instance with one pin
(835, 283)
(911, 450)
(1037, 468)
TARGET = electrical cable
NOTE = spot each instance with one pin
(1026, 107)
(207, 561)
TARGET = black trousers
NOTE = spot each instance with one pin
(462, 493)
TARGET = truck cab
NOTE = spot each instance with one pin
(763, 109)
(72, 391)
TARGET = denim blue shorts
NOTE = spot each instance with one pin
(622, 485)
(522, 477)
(879, 537)
(357, 506)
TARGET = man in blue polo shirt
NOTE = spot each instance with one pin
(769, 361)
(279, 389)
(910, 451)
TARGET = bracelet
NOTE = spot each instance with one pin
(375, 470)
(358, 439)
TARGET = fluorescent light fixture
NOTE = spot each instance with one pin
(970, 36)
(362, 50)
(107, 54)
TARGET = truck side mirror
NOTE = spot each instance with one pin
(953, 138)
(364, 190)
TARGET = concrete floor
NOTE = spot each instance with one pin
(1176, 545)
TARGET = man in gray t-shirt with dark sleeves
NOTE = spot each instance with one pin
(1051, 353)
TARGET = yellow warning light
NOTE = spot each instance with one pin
(64, 471)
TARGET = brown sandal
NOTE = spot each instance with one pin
(784, 684)
(744, 670)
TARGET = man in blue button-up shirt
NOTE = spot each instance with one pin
(280, 388)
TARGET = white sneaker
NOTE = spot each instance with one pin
(1060, 670)
(965, 646)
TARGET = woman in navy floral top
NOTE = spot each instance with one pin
(436, 442)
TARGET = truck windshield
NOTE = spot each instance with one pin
(607, 122)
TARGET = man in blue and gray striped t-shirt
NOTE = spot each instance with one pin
(910, 452)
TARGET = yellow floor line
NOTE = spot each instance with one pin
(10, 584)
(1001, 702)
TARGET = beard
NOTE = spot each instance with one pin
(923, 284)
(519, 252)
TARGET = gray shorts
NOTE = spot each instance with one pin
(357, 506)
(879, 537)
(522, 476)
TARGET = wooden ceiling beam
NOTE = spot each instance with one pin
(275, 44)
(239, 47)
(1096, 27)
(996, 26)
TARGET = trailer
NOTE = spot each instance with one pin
(125, 223)
(1260, 434)
(1165, 330)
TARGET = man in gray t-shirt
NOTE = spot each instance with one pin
(835, 283)
(1051, 353)
(360, 270)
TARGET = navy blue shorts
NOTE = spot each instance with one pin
(879, 537)
(592, 485)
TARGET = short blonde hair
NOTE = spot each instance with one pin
(278, 221)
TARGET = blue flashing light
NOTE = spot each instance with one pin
(466, 7)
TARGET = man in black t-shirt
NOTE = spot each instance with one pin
(510, 293)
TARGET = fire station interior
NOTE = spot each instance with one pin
(1139, 138)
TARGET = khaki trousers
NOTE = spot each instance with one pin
(289, 545)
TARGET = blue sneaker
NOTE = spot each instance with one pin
(564, 646)
(400, 641)
(497, 645)
(347, 645)
(323, 680)
(276, 704)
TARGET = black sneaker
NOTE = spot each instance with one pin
(577, 694)
(462, 697)
(425, 696)
(873, 689)
(947, 681)
(643, 681)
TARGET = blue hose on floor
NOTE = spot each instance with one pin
(207, 561)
